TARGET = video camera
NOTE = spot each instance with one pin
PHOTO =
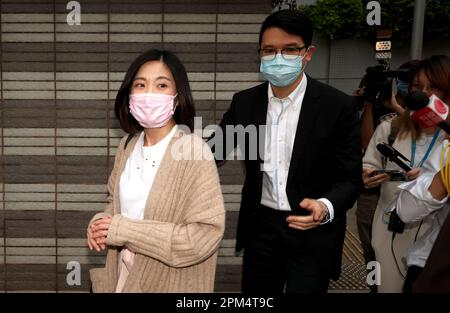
(378, 78)
(378, 82)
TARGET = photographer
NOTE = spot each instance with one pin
(426, 198)
(373, 111)
(371, 115)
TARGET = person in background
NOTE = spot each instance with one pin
(165, 214)
(417, 144)
(372, 114)
(426, 198)
(371, 117)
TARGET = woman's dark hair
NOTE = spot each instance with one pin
(185, 111)
(437, 69)
(291, 21)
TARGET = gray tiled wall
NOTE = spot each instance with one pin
(57, 126)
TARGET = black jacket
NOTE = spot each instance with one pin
(326, 162)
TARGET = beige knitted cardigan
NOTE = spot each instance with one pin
(176, 243)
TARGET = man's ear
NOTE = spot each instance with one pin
(310, 52)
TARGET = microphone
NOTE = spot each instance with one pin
(428, 111)
(393, 155)
(416, 100)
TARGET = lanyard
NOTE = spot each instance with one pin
(413, 149)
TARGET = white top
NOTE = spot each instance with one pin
(374, 159)
(415, 203)
(281, 127)
(138, 175)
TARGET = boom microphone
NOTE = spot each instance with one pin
(393, 155)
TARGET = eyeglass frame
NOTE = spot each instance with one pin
(281, 52)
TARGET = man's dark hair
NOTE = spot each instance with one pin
(291, 21)
(185, 111)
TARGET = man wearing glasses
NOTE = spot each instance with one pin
(295, 196)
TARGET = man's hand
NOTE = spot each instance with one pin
(318, 211)
(97, 233)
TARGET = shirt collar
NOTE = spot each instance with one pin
(293, 97)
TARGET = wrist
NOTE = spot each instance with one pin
(326, 216)
(112, 239)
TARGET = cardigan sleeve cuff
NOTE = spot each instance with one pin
(98, 216)
(112, 239)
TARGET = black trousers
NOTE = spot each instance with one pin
(365, 210)
(276, 259)
(411, 276)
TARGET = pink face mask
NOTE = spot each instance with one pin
(152, 110)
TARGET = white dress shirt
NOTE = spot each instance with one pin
(281, 126)
(138, 175)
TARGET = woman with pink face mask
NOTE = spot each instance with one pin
(165, 215)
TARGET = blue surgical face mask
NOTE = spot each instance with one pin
(402, 87)
(280, 72)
